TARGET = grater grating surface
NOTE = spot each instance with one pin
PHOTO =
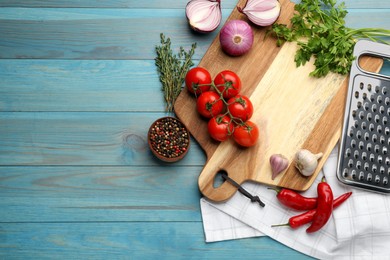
(364, 155)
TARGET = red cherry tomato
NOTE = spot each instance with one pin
(198, 80)
(209, 104)
(220, 127)
(246, 134)
(240, 107)
(228, 83)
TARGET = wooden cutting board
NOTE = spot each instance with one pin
(292, 110)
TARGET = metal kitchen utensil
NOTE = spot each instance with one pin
(364, 155)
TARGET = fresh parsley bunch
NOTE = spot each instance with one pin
(318, 27)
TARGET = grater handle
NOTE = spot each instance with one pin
(369, 48)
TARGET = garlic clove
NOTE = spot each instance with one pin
(204, 15)
(306, 162)
(278, 164)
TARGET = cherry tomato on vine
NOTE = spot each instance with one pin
(198, 80)
(209, 104)
(220, 127)
(228, 83)
(240, 107)
(246, 134)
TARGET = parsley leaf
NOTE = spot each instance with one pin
(318, 27)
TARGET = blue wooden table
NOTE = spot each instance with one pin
(78, 92)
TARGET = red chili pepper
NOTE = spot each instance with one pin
(306, 217)
(295, 200)
(324, 207)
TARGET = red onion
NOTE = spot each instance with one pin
(261, 12)
(236, 37)
(204, 15)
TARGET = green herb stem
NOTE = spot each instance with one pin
(172, 69)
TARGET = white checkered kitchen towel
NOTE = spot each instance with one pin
(358, 229)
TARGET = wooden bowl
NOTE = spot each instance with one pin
(169, 139)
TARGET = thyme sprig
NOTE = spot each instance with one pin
(172, 69)
(318, 27)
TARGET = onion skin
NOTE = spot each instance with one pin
(261, 12)
(204, 16)
(236, 37)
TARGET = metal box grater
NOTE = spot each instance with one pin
(364, 153)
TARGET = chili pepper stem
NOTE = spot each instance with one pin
(275, 189)
(281, 225)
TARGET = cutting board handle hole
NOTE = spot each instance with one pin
(218, 179)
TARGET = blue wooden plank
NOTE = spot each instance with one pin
(81, 139)
(368, 18)
(107, 34)
(171, 4)
(94, 33)
(95, 194)
(91, 14)
(123, 240)
(80, 85)
(153, 4)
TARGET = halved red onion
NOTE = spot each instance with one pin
(204, 15)
(261, 12)
(236, 37)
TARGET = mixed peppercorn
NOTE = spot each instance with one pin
(318, 210)
(168, 137)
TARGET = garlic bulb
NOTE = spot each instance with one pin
(261, 12)
(278, 164)
(204, 15)
(306, 162)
